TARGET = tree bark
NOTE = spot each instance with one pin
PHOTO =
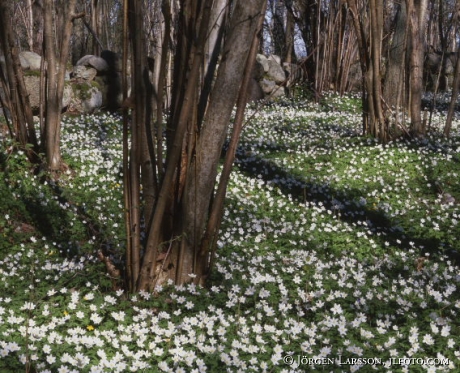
(202, 173)
(55, 74)
(370, 56)
(394, 91)
(149, 261)
(16, 95)
(453, 99)
(209, 241)
(416, 10)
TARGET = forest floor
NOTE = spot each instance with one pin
(337, 253)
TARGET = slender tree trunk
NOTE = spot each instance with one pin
(132, 241)
(16, 95)
(379, 128)
(416, 10)
(37, 35)
(160, 83)
(52, 116)
(55, 77)
(95, 26)
(279, 33)
(289, 55)
(306, 15)
(453, 99)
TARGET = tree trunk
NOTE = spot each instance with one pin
(202, 173)
(289, 55)
(95, 26)
(394, 91)
(212, 52)
(52, 113)
(188, 182)
(16, 95)
(370, 56)
(37, 11)
(416, 10)
(180, 122)
(378, 129)
(453, 99)
(56, 67)
(278, 31)
(209, 241)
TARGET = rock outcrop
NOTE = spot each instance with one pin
(273, 78)
(92, 84)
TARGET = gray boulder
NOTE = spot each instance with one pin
(67, 95)
(274, 58)
(32, 83)
(93, 102)
(87, 98)
(24, 63)
(278, 92)
(258, 71)
(83, 72)
(263, 62)
(276, 72)
(93, 61)
(31, 59)
(270, 77)
(267, 86)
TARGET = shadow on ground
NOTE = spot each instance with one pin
(346, 203)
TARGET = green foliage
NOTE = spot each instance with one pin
(32, 73)
(84, 90)
(331, 245)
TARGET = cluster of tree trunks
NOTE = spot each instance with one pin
(179, 194)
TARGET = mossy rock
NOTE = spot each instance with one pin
(87, 97)
(32, 73)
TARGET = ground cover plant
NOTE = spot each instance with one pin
(337, 254)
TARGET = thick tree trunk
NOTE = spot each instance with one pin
(209, 241)
(188, 182)
(394, 91)
(370, 59)
(202, 173)
(212, 52)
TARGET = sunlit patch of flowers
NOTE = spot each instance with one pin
(333, 247)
